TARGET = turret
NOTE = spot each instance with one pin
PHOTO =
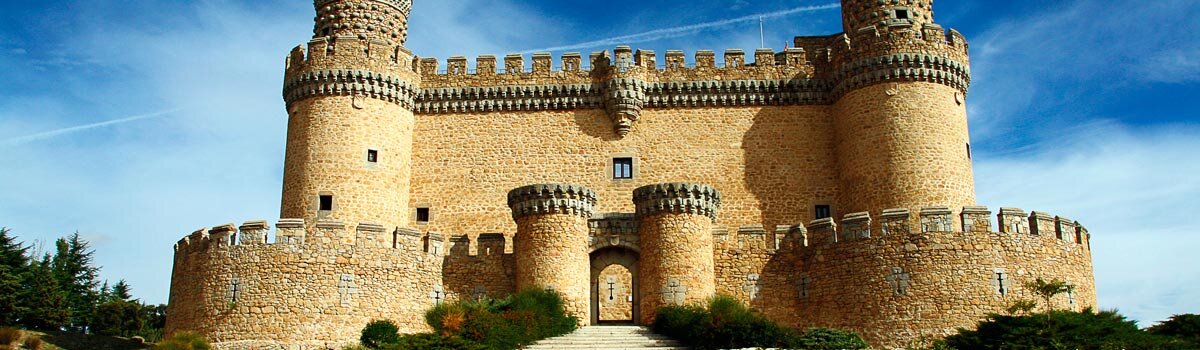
(551, 244)
(349, 97)
(858, 14)
(375, 19)
(675, 221)
(900, 111)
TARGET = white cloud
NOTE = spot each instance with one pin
(1135, 190)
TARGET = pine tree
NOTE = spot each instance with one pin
(120, 291)
(13, 264)
(72, 266)
(47, 306)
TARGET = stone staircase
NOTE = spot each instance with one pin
(609, 338)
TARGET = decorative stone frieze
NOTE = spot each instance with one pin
(552, 199)
(679, 198)
(902, 67)
(350, 82)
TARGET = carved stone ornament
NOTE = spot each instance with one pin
(624, 98)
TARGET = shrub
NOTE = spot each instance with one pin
(727, 323)
(378, 333)
(510, 323)
(184, 341)
(9, 336)
(430, 341)
(1086, 330)
(32, 343)
(1185, 327)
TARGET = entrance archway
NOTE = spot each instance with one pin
(614, 285)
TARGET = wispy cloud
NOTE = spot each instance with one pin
(675, 32)
(1134, 189)
(74, 129)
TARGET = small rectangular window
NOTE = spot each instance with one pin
(823, 211)
(622, 168)
(901, 14)
(422, 214)
(326, 203)
(372, 156)
(968, 151)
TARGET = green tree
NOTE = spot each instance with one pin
(46, 304)
(1059, 329)
(156, 316)
(76, 276)
(13, 264)
(1185, 326)
(1047, 290)
(119, 318)
(120, 291)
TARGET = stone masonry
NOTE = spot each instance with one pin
(827, 185)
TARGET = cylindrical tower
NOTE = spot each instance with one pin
(901, 118)
(675, 223)
(857, 14)
(381, 19)
(350, 125)
(551, 244)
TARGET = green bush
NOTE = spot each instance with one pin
(430, 341)
(727, 323)
(184, 341)
(1086, 330)
(509, 323)
(1185, 327)
(378, 333)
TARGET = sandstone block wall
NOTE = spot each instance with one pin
(312, 287)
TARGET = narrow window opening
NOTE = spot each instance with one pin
(622, 168)
(823, 211)
(372, 156)
(325, 32)
(901, 14)
(422, 214)
(326, 203)
(968, 151)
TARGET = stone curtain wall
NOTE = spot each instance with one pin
(314, 287)
(918, 275)
(772, 164)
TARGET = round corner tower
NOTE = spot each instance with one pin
(675, 222)
(900, 113)
(552, 242)
(349, 98)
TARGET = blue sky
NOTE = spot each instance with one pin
(136, 122)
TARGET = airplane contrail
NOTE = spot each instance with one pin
(53, 133)
(681, 30)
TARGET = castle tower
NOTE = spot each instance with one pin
(675, 223)
(551, 244)
(350, 119)
(900, 114)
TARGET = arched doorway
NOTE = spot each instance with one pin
(614, 285)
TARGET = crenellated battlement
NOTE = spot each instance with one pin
(1010, 222)
(293, 233)
(351, 66)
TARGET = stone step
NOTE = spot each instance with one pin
(610, 338)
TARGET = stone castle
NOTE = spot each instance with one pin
(828, 185)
